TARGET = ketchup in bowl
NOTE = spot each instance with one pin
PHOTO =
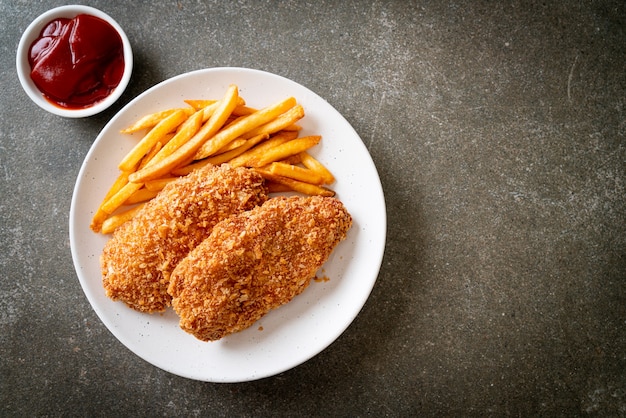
(77, 62)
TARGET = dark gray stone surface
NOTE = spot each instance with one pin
(499, 133)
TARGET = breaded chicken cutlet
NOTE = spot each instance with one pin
(254, 262)
(137, 261)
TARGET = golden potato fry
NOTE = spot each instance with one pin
(285, 150)
(240, 110)
(244, 110)
(100, 215)
(180, 140)
(158, 184)
(235, 130)
(157, 133)
(185, 169)
(313, 164)
(189, 128)
(232, 119)
(97, 220)
(208, 111)
(199, 104)
(139, 196)
(293, 160)
(235, 144)
(112, 222)
(293, 127)
(119, 198)
(215, 122)
(296, 185)
(295, 172)
(167, 137)
(218, 159)
(150, 155)
(273, 187)
(283, 121)
(254, 153)
(171, 142)
(152, 120)
(230, 155)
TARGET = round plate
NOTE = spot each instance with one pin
(289, 335)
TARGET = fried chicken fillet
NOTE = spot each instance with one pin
(137, 261)
(254, 262)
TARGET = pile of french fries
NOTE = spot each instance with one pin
(178, 141)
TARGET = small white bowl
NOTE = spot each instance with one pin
(23, 67)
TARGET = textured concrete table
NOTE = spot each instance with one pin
(499, 133)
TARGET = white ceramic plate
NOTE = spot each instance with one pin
(289, 335)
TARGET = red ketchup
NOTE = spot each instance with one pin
(77, 62)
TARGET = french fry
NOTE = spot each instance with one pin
(295, 172)
(119, 198)
(285, 150)
(150, 155)
(185, 163)
(235, 144)
(256, 152)
(159, 131)
(313, 164)
(305, 188)
(293, 160)
(167, 137)
(180, 140)
(273, 187)
(283, 121)
(112, 222)
(98, 219)
(293, 127)
(139, 196)
(296, 185)
(240, 110)
(189, 128)
(199, 104)
(100, 215)
(185, 169)
(120, 182)
(215, 122)
(237, 129)
(151, 120)
(244, 110)
(232, 119)
(230, 155)
(208, 110)
(158, 184)
(218, 159)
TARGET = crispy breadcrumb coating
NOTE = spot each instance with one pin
(138, 260)
(254, 262)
